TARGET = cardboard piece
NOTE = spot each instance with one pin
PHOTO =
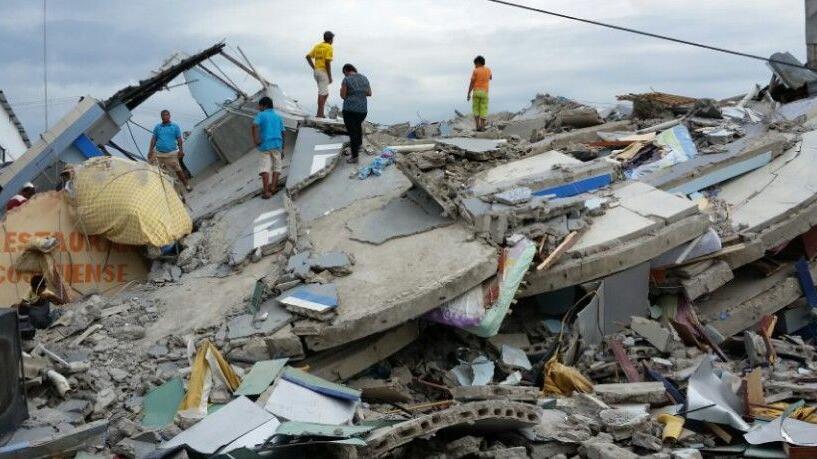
(87, 264)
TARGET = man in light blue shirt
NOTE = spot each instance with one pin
(268, 136)
(166, 148)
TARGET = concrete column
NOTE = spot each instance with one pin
(811, 33)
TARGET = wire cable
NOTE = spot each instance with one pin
(648, 34)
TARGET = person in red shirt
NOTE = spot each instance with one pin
(24, 195)
(478, 91)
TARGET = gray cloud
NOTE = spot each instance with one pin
(416, 53)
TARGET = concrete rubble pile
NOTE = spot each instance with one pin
(636, 282)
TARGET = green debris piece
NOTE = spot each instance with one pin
(312, 429)
(161, 404)
(260, 377)
(213, 407)
(255, 300)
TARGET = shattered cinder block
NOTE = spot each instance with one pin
(652, 331)
(284, 343)
(517, 393)
(642, 392)
(495, 413)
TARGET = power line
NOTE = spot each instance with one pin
(648, 34)
(45, 67)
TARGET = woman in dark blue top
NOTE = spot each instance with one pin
(354, 90)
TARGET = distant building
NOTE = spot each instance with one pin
(13, 138)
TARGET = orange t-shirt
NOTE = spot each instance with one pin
(481, 78)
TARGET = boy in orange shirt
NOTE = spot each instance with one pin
(478, 91)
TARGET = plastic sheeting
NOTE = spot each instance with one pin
(679, 146)
(464, 310)
(128, 202)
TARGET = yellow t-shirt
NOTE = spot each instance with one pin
(321, 53)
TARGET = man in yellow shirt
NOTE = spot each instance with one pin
(478, 90)
(320, 60)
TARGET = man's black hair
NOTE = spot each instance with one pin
(328, 35)
(164, 111)
(265, 102)
(479, 60)
(349, 68)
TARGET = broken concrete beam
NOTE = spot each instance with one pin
(742, 156)
(643, 392)
(399, 280)
(652, 331)
(501, 392)
(707, 281)
(741, 303)
(615, 256)
(60, 444)
(584, 135)
(347, 361)
(492, 415)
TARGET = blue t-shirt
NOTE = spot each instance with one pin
(272, 130)
(166, 135)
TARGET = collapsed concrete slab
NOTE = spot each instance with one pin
(398, 280)
(314, 156)
(415, 212)
(741, 303)
(315, 202)
(702, 171)
(646, 223)
(256, 224)
(777, 202)
(393, 282)
(544, 174)
(226, 186)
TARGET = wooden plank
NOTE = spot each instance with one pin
(720, 253)
(568, 242)
(624, 361)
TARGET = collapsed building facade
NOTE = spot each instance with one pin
(569, 282)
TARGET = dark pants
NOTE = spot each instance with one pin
(354, 126)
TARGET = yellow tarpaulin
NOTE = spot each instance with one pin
(208, 365)
(564, 380)
(128, 202)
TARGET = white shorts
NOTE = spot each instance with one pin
(269, 161)
(322, 78)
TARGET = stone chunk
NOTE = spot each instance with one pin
(284, 343)
(338, 263)
(642, 392)
(652, 331)
(514, 196)
(604, 450)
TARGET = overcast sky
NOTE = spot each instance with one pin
(417, 53)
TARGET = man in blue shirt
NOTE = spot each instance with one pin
(268, 136)
(166, 148)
